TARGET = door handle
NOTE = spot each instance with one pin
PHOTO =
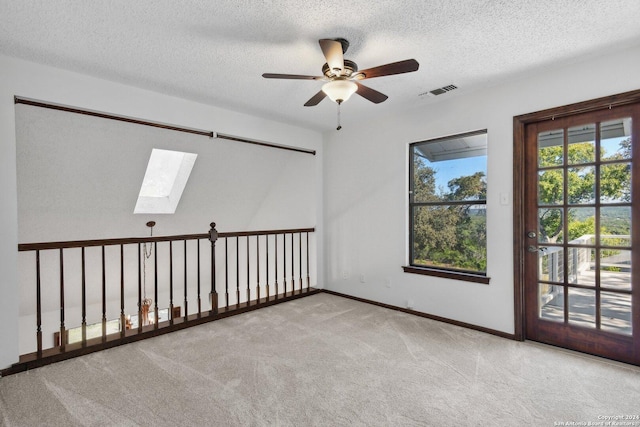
(534, 249)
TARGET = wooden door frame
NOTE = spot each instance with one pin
(519, 124)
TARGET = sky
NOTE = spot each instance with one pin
(446, 170)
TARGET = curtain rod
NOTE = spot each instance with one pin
(264, 144)
(210, 134)
(67, 109)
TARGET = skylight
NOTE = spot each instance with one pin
(164, 181)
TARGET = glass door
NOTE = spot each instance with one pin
(581, 289)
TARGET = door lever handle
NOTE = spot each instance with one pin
(534, 249)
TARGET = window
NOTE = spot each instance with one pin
(447, 207)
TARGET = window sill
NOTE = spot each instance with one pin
(456, 275)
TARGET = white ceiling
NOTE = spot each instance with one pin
(216, 51)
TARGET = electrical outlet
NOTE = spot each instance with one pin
(345, 275)
(363, 279)
(387, 282)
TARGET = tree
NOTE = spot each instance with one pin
(472, 187)
(449, 235)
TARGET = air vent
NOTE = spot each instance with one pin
(443, 89)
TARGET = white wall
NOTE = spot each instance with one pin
(25, 79)
(366, 173)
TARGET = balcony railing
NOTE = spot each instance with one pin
(581, 264)
(83, 296)
(580, 258)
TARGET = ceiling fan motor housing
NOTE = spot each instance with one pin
(350, 68)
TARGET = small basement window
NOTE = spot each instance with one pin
(164, 181)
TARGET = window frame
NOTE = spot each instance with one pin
(443, 272)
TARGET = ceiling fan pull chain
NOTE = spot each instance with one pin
(339, 126)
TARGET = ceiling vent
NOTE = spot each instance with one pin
(443, 89)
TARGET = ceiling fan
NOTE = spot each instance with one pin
(342, 76)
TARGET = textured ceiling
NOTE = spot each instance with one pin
(216, 51)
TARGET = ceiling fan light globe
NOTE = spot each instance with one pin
(339, 90)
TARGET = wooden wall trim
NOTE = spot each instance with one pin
(616, 100)
(518, 227)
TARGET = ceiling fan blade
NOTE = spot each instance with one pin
(315, 99)
(332, 51)
(371, 94)
(406, 66)
(290, 76)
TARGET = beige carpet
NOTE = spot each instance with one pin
(323, 360)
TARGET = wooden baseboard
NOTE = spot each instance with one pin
(426, 315)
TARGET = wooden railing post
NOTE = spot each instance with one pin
(104, 296)
(84, 299)
(308, 278)
(123, 317)
(171, 283)
(248, 275)
(155, 285)
(293, 272)
(63, 333)
(237, 271)
(226, 273)
(257, 271)
(213, 237)
(267, 267)
(38, 307)
(186, 297)
(275, 237)
(198, 276)
(139, 287)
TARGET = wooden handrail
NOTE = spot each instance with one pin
(130, 240)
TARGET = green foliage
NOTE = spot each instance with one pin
(580, 228)
(450, 236)
(424, 181)
(472, 187)
(615, 184)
